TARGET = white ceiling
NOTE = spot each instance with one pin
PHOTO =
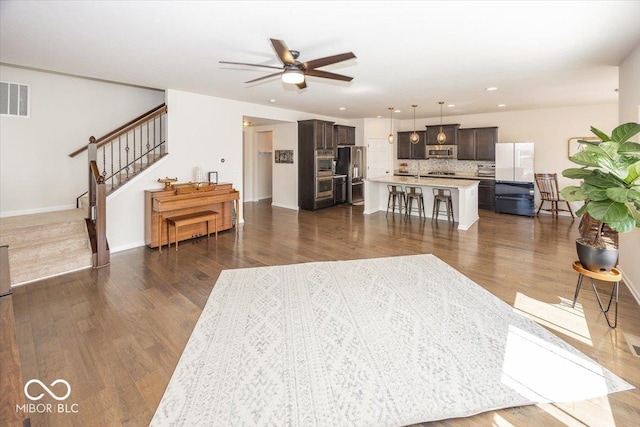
(538, 53)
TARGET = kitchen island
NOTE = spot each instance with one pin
(464, 195)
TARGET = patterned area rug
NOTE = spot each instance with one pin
(374, 342)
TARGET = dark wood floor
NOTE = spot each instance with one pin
(116, 334)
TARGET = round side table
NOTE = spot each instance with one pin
(605, 276)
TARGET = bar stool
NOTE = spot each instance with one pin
(442, 195)
(396, 194)
(414, 193)
(605, 276)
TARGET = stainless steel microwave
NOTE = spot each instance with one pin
(442, 151)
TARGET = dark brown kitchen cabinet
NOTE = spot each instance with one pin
(319, 133)
(407, 150)
(315, 190)
(344, 135)
(477, 143)
(450, 131)
(487, 195)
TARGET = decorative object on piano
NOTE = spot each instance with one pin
(192, 187)
(284, 156)
(215, 174)
(610, 174)
(167, 182)
(198, 176)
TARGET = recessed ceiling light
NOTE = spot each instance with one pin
(492, 88)
(378, 117)
(396, 111)
(272, 100)
(451, 105)
(501, 105)
(342, 108)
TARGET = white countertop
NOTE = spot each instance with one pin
(427, 182)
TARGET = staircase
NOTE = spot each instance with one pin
(53, 243)
(46, 244)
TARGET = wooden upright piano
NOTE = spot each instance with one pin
(160, 204)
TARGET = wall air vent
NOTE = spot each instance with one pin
(14, 99)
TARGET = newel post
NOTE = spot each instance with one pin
(92, 151)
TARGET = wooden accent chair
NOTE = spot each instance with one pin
(548, 187)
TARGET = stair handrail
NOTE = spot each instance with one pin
(157, 111)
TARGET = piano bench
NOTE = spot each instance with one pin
(187, 219)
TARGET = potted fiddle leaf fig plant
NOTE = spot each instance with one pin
(610, 189)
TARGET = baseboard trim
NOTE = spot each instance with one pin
(633, 287)
(278, 205)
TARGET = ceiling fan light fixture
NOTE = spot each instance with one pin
(293, 76)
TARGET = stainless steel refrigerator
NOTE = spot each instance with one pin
(515, 177)
(352, 161)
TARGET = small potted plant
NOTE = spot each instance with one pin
(610, 188)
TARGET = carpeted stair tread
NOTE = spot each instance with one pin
(36, 234)
(50, 266)
(46, 244)
(52, 248)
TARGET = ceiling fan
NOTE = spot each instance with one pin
(293, 71)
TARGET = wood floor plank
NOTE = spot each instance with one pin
(117, 333)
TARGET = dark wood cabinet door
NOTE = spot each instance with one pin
(351, 135)
(323, 135)
(487, 195)
(407, 150)
(344, 135)
(404, 145)
(419, 150)
(486, 139)
(466, 144)
(318, 135)
(450, 131)
(329, 143)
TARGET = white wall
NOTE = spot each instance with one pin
(202, 130)
(36, 172)
(629, 81)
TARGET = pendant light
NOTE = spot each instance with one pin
(442, 138)
(414, 138)
(391, 125)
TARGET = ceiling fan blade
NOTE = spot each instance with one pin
(328, 75)
(283, 52)
(251, 65)
(302, 85)
(263, 77)
(321, 62)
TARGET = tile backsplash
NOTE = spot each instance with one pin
(451, 165)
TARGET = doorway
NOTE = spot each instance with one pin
(264, 175)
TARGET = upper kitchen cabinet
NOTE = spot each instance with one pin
(477, 143)
(450, 131)
(344, 135)
(318, 131)
(407, 150)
